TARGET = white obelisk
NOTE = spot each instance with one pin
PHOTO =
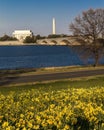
(54, 27)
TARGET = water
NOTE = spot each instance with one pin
(13, 57)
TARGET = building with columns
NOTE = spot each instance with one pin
(22, 34)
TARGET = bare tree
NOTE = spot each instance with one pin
(89, 29)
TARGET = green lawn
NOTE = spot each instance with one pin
(57, 85)
(26, 72)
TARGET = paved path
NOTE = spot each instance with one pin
(50, 76)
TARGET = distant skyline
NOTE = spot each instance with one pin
(37, 15)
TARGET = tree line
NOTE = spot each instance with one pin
(34, 39)
(31, 39)
(7, 38)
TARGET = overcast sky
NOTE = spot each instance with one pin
(36, 15)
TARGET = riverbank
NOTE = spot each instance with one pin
(6, 43)
(14, 43)
(32, 76)
(46, 70)
(19, 43)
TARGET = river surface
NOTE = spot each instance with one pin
(34, 56)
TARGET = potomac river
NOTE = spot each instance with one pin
(36, 56)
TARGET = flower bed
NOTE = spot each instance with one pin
(71, 109)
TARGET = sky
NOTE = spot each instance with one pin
(37, 15)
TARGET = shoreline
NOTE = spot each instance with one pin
(22, 77)
(14, 43)
(19, 43)
(53, 69)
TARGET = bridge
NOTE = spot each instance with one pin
(59, 41)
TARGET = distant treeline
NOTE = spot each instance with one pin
(7, 38)
(57, 35)
(32, 39)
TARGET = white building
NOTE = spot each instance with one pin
(22, 34)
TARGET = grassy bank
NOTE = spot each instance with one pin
(57, 85)
(33, 71)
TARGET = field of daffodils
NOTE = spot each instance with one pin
(69, 109)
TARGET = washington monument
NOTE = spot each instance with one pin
(53, 26)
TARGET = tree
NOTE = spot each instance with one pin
(29, 39)
(89, 29)
(54, 36)
(7, 38)
(38, 37)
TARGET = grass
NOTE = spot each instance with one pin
(58, 85)
(54, 85)
(33, 71)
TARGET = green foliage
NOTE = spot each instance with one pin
(39, 37)
(56, 35)
(33, 39)
(29, 39)
(7, 38)
(55, 86)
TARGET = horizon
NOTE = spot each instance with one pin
(37, 15)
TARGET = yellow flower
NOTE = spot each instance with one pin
(21, 115)
(24, 128)
(52, 106)
(30, 125)
(18, 125)
(1, 117)
(32, 108)
(5, 124)
(66, 127)
(36, 127)
(8, 128)
(49, 121)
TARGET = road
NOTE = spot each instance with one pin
(50, 76)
